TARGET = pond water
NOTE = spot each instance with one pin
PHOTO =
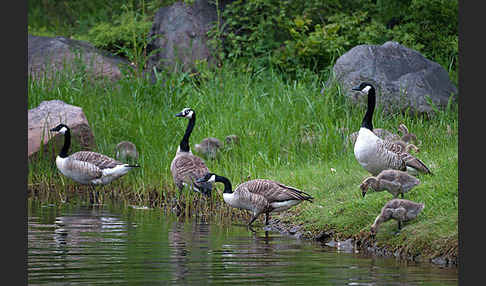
(74, 244)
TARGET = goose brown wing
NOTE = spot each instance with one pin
(99, 160)
(411, 161)
(416, 164)
(84, 170)
(405, 158)
(188, 168)
(275, 191)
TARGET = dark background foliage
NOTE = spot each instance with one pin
(289, 34)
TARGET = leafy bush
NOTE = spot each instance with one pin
(125, 33)
(312, 34)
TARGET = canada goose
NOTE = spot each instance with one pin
(185, 166)
(208, 147)
(86, 167)
(126, 151)
(259, 195)
(376, 154)
(398, 209)
(394, 181)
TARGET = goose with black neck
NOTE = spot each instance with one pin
(186, 167)
(376, 154)
(258, 196)
(87, 167)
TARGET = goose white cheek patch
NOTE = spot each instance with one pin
(63, 130)
(366, 89)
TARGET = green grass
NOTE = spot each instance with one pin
(288, 131)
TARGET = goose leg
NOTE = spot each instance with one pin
(401, 194)
(266, 218)
(253, 218)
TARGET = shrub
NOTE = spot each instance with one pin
(312, 34)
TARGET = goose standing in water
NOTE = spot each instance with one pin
(87, 167)
(185, 166)
(394, 181)
(376, 154)
(397, 209)
(259, 196)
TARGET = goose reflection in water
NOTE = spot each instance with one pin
(189, 251)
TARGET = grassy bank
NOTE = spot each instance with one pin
(289, 131)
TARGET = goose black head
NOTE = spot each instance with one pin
(209, 177)
(364, 87)
(186, 112)
(61, 128)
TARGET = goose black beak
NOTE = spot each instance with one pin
(179, 114)
(356, 88)
(200, 180)
(363, 193)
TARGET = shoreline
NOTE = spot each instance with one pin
(360, 242)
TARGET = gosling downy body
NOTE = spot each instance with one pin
(259, 196)
(208, 147)
(394, 181)
(407, 137)
(376, 154)
(86, 167)
(408, 140)
(126, 151)
(397, 209)
(186, 167)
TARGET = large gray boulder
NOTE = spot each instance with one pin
(48, 115)
(48, 55)
(403, 78)
(179, 36)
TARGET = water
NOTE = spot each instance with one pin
(74, 244)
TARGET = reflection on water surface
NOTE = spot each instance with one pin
(75, 244)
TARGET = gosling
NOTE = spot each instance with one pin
(394, 181)
(399, 210)
(208, 147)
(126, 151)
